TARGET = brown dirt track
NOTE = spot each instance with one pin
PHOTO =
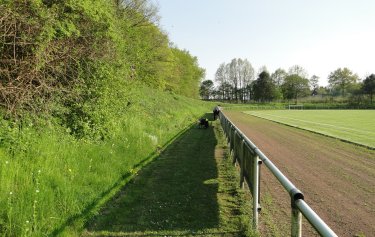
(337, 178)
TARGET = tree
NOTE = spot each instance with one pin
(186, 74)
(368, 86)
(278, 76)
(245, 75)
(294, 87)
(226, 91)
(221, 74)
(238, 74)
(314, 84)
(234, 77)
(263, 88)
(342, 79)
(298, 70)
(206, 89)
(221, 77)
(139, 12)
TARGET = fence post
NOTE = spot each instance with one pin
(234, 147)
(242, 164)
(296, 228)
(296, 221)
(256, 180)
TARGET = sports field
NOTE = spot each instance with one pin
(356, 126)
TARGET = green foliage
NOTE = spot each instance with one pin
(185, 74)
(75, 59)
(206, 89)
(77, 110)
(278, 76)
(48, 176)
(234, 80)
(294, 87)
(368, 86)
(342, 79)
(264, 89)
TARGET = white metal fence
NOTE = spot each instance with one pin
(250, 158)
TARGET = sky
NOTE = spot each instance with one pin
(319, 35)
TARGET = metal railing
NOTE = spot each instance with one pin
(250, 158)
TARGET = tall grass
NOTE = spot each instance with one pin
(48, 177)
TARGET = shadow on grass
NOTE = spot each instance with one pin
(176, 192)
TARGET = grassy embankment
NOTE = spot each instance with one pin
(355, 126)
(49, 179)
(191, 189)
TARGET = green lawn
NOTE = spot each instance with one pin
(356, 126)
(191, 189)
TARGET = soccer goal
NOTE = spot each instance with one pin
(295, 107)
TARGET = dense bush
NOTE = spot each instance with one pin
(60, 56)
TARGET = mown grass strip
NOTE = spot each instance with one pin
(349, 126)
(191, 189)
(74, 223)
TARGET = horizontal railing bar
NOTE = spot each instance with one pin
(296, 196)
(319, 225)
(289, 186)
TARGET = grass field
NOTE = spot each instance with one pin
(357, 126)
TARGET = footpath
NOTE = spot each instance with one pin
(191, 189)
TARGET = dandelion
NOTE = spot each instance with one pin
(6, 162)
(37, 191)
(10, 193)
(70, 170)
(39, 171)
(27, 222)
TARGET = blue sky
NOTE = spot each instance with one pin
(318, 35)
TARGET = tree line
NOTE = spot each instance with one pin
(66, 52)
(80, 62)
(235, 81)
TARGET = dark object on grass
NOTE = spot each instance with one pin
(203, 123)
(216, 112)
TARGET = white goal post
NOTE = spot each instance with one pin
(295, 107)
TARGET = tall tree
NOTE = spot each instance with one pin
(226, 91)
(368, 86)
(263, 88)
(295, 87)
(246, 76)
(221, 74)
(262, 69)
(298, 70)
(278, 76)
(221, 77)
(234, 77)
(314, 84)
(239, 74)
(342, 79)
(206, 89)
